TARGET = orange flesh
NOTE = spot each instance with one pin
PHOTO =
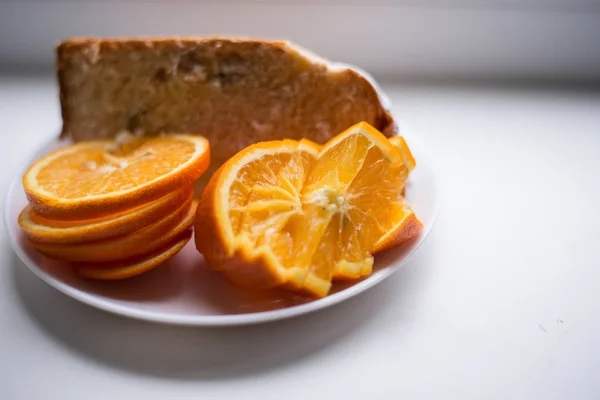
(96, 171)
(322, 214)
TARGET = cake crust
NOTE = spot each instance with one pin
(234, 91)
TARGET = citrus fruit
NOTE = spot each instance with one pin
(98, 178)
(408, 225)
(407, 157)
(134, 244)
(43, 230)
(128, 269)
(295, 214)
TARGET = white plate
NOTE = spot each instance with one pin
(185, 292)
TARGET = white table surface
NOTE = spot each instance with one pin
(501, 302)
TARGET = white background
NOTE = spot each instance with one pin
(467, 39)
(500, 302)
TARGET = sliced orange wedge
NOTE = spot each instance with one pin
(43, 230)
(98, 178)
(407, 157)
(144, 241)
(407, 224)
(299, 215)
(128, 269)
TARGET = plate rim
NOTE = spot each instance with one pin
(211, 320)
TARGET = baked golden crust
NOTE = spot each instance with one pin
(233, 91)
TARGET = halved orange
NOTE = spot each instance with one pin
(132, 268)
(298, 215)
(43, 230)
(98, 178)
(135, 244)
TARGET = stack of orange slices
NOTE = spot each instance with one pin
(114, 209)
(297, 215)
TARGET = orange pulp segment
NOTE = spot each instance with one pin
(400, 143)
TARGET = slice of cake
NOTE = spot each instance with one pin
(235, 92)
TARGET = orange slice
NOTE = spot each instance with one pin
(135, 244)
(130, 269)
(43, 230)
(298, 215)
(98, 178)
